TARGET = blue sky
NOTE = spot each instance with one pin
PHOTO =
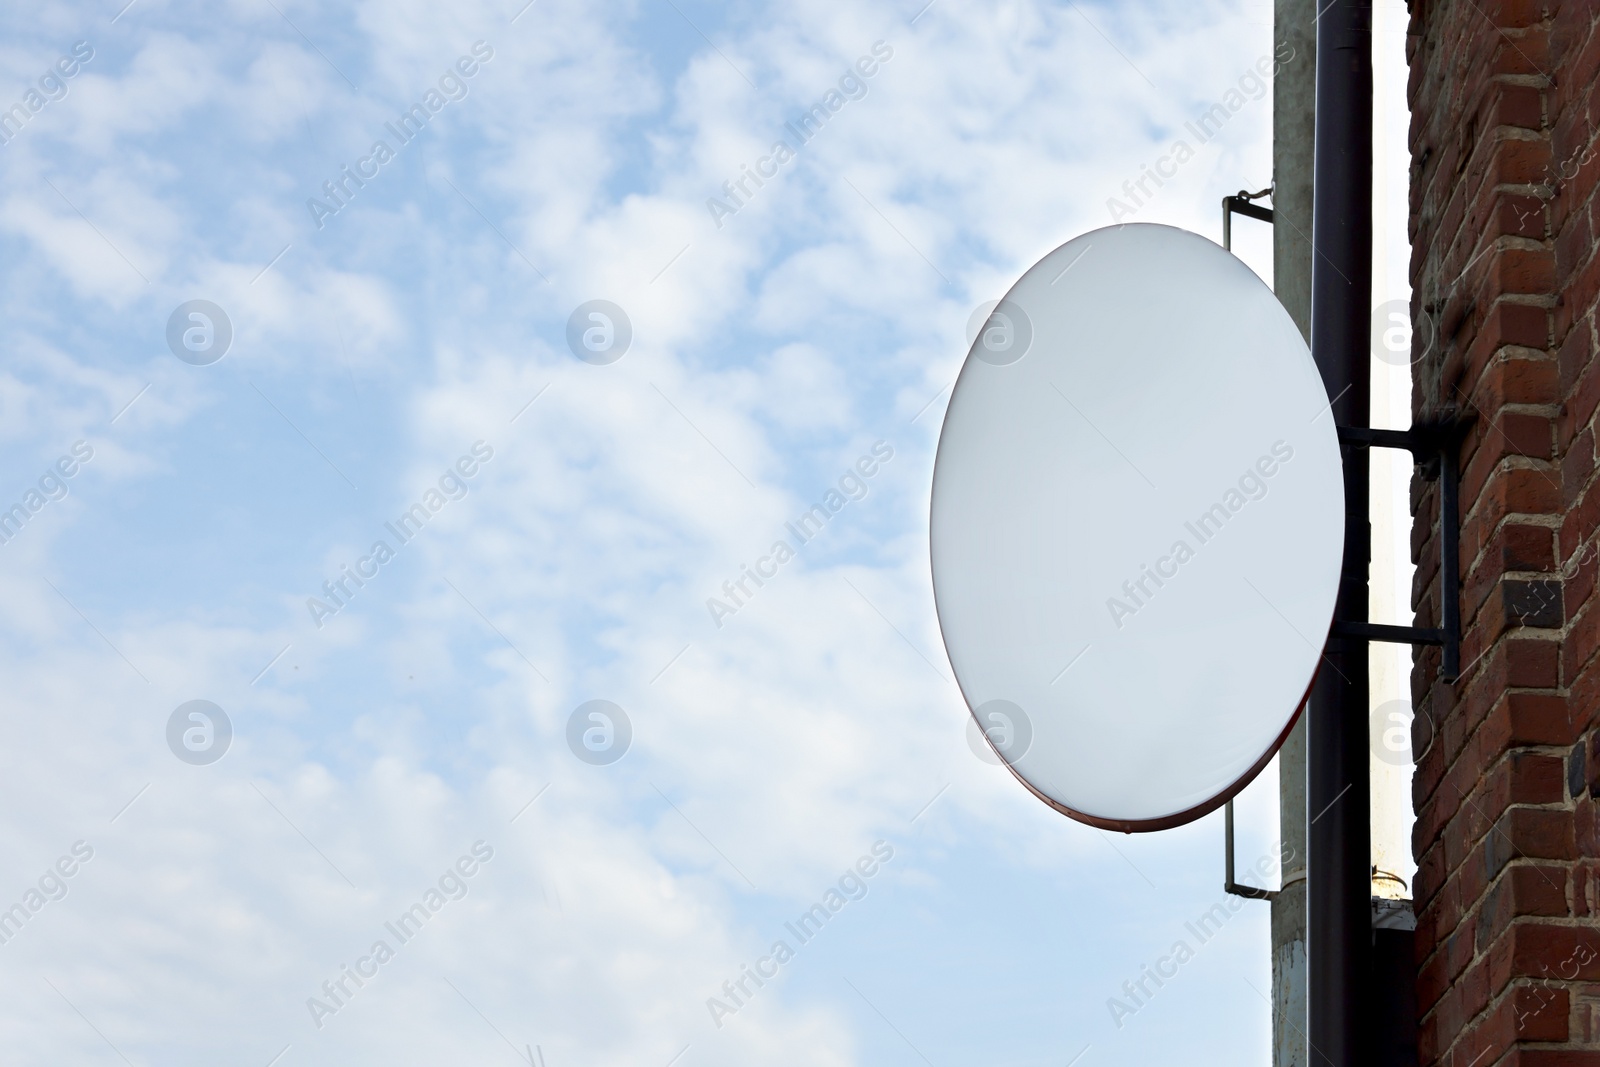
(372, 352)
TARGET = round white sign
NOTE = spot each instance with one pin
(1137, 525)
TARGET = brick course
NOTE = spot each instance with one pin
(1505, 280)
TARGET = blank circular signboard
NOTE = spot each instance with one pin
(1137, 526)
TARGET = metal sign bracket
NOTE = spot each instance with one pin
(1239, 204)
(1434, 446)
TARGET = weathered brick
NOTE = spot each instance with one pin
(1538, 719)
(1525, 548)
(1505, 231)
(1538, 778)
(1557, 952)
(1532, 664)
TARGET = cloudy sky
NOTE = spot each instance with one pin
(394, 332)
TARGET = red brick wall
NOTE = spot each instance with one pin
(1504, 275)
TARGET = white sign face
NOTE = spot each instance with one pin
(1137, 526)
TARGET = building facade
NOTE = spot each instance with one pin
(1503, 220)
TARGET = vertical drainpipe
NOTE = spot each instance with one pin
(1338, 757)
